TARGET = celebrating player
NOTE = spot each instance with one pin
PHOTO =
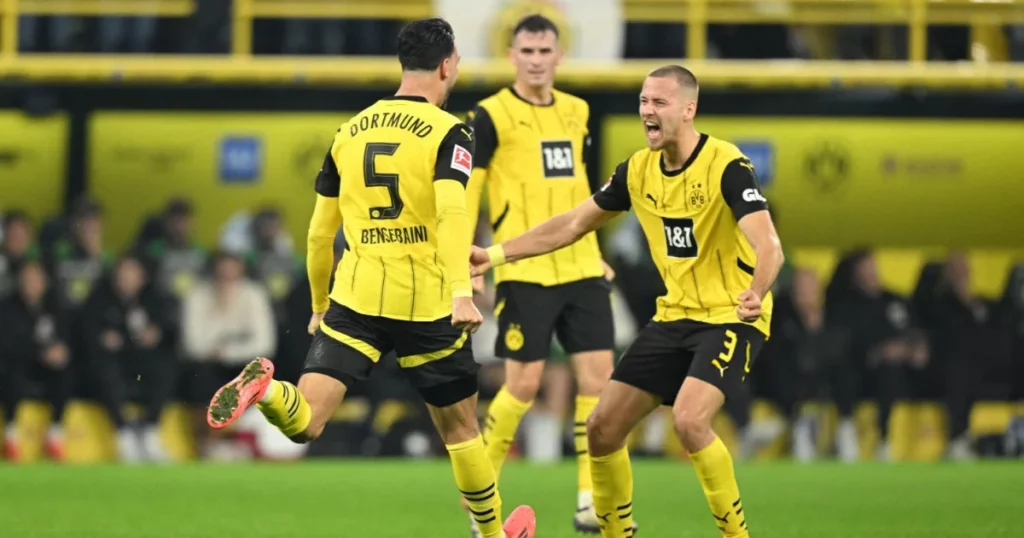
(711, 236)
(403, 283)
(530, 144)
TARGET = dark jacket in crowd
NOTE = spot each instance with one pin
(122, 367)
(27, 333)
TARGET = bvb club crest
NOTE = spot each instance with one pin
(514, 338)
(697, 199)
(515, 11)
(827, 165)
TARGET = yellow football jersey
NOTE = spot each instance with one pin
(534, 161)
(690, 217)
(383, 166)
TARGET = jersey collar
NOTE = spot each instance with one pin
(414, 98)
(521, 98)
(693, 157)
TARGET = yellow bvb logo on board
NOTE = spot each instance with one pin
(513, 12)
(514, 338)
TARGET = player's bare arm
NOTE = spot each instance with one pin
(555, 233)
(750, 208)
(323, 227)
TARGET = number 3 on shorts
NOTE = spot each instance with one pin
(725, 357)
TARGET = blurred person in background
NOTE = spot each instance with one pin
(34, 347)
(125, 361)
(173, 260)
(78, 260)
(273, 264)
(884, 352)
(530, 174)
(225, 323)
(965, 348)
(1012, 308)
(793, 352)
(16, 248)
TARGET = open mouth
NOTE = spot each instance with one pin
(652, 128)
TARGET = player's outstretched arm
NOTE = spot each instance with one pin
(562, 230)
(557, 232)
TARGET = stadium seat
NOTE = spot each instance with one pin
(990, 270)
(899, 269)
(820, 260)
(176, 432)
(88, 434)
(31, 422)
(930, 430)
(778, 449)
(989, 418)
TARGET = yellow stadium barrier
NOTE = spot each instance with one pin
(618, 75)
(984, 17)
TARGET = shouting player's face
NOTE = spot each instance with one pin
(665, 107)
(535, 55)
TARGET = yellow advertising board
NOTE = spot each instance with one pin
(841, 182)
(33, 161)
(223, 162)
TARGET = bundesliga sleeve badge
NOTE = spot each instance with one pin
(462, 160)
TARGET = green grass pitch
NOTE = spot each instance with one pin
(406, 499)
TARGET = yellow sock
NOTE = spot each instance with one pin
(503, 418)
(714, 469)
(476, 479)
(613, 493)
(584, 407)
(285, 407)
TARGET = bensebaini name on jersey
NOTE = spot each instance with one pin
(407, 235)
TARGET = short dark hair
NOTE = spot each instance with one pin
(424, 44)
(683, 76)
(15, 216)
(534, 24)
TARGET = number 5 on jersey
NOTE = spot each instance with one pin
(372, 178)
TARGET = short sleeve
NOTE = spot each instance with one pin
(485, 136)
(614, 195)
(740, 189)
(328, 181)
(455, 155)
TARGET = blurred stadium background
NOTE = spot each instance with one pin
(156, 154)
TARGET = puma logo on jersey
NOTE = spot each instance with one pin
(752, 195)
(468, 133)
(746, 164)
(721, 368)
(651, 198)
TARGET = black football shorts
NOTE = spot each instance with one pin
(436, 357)
(664, 354)
(580, 313)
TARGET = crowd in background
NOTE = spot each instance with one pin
(168, 320)
(208, 31)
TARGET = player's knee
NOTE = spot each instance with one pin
(691, 425)
(592, 380)
(602, 435)
(524, 386)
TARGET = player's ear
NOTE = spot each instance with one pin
(445, 69)
(559, 54)
(690, 110)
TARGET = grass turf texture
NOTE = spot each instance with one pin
(403, 499)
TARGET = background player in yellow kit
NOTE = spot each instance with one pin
(714, 243)
(395, 178)
(531, 142)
